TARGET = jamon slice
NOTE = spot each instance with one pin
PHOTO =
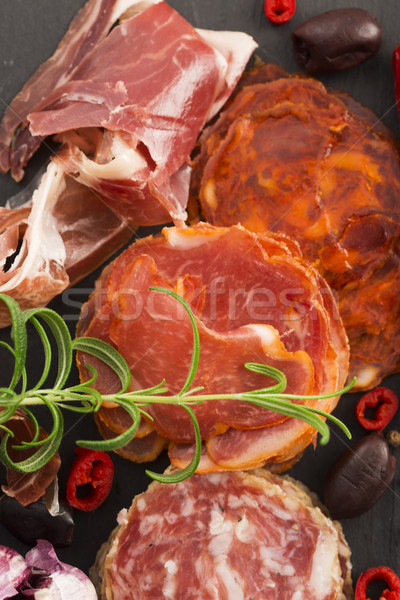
(54, 242)
(143, 89)
(288, 155)
(90, 231)
(37, 273)
(234, 535)
(260, 303)
(90, 25)
(136, 201)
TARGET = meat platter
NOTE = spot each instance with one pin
(26, 40)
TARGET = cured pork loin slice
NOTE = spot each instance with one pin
(289, 155)
(55, 240)
(255, 300)
(229, 535)
(128, 89)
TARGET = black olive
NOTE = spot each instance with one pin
(337, 40)
(33, 522)
(359, 477)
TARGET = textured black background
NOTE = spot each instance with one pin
(29, 33)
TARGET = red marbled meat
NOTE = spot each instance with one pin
(145, 87)
(231, 535)
(261, 303)
(90, 25)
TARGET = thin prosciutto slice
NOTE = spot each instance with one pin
(54, 241)
(229, 535)
(90, 25)
(254, 300)
(149, 85)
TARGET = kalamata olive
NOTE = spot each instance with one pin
(359, 477)
(33, 522)
(337, 40)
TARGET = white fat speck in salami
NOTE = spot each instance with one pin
(230, 536)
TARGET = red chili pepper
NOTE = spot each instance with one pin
(378, 574)
(385, 402)
(396, 71)
(94, 468)
(279, 11)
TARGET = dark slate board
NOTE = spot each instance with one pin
(29, 33)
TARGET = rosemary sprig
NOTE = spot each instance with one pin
(84, 398)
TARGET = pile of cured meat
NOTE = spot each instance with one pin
(127, 123)
(289, 155)
(255, 300)
(127, 92)
(231, 535)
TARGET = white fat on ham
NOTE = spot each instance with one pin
(126, 162)
(230, 47)
(37, 272)
(42, 243)
(125, 9)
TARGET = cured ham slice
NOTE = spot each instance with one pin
(90, 231)
(145, 87)
(64, 234)
(289, 155)
(261, 303)
(90, 25)
(229, 535)
(37, 273)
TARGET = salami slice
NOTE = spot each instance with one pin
(254, 300)
(226, 535)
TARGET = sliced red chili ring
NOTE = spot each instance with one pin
(384, 401)
(279, 11)
(378, 574)
(94, 469)
(396, 72)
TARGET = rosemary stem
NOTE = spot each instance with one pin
(84, 398)
(139, 399)
(134, 398)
